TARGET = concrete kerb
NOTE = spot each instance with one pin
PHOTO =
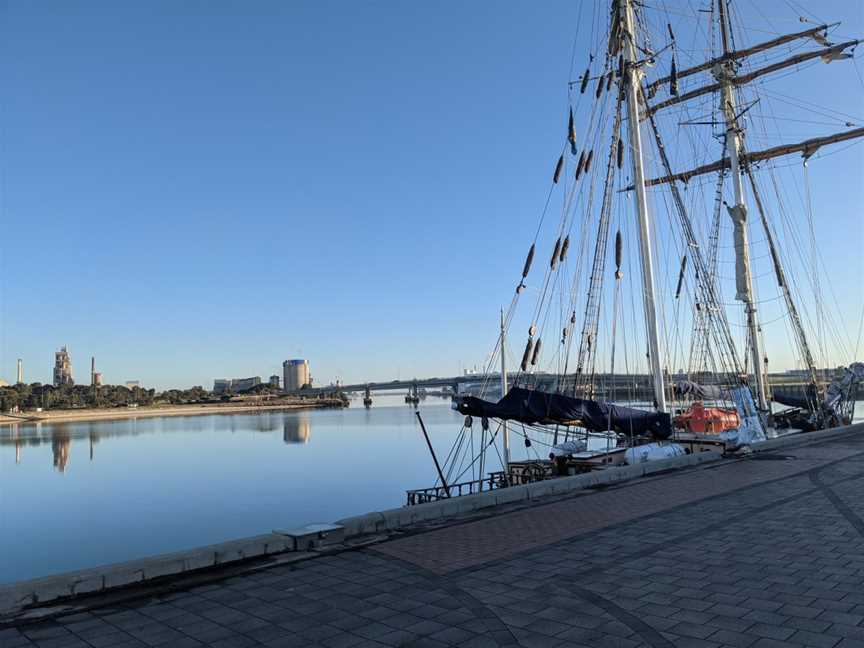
(16, 596)
(393, 519)
(808, 438)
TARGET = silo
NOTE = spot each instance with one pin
(295, 374)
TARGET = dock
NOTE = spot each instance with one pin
(763, 550)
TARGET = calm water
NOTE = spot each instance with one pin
(77, 495)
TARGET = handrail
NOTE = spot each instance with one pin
(531, 472)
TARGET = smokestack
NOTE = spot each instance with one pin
(20, 379)
(93, 371)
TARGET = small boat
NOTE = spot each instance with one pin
(413, 395)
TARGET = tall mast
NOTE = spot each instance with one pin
(725, 73)
(504, 429)
(632, 81)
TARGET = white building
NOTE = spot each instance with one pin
(295, 374)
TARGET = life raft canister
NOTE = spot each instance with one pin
(707, 420)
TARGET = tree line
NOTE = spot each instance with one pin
(36, 395)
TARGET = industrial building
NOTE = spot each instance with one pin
(242, 384)
(274, 381)
(295, 374)
(95, 376)
(62, 368)
(222, 385)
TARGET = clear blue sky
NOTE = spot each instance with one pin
(203, 189)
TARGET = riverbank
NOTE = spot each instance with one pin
(92, 414)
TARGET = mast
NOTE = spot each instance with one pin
(504, 429)
(725, 73)
(632, 81)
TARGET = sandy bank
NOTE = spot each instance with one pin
(57, 416)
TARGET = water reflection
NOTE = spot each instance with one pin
(60, 445)
(297, 429)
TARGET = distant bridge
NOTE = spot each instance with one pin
(609, 387)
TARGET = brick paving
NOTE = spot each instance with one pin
(761, 553)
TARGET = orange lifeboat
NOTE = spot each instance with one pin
(707, 420)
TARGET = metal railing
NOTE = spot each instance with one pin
(520, 473)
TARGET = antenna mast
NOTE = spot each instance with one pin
(632, 82)
(724, 72)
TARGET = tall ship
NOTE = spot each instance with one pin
(678, 240)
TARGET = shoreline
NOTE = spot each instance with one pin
(86, 415)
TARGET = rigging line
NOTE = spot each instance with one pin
(547, 274)
(472, 463)
(592, 308)
(860, 331)
(799, 246)
(455, 457)
(798, 7)
(835, 327)
(794, 321)
(806, 105)
(492, 443)
(476, 457)
(820, 316)
(546, 206)
(447, 459)
(857, 71)
(840, 122)
(755, 6)
(575, 41)
(585, 242)
(460, 471)
(792, 231)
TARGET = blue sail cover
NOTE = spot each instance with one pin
(530, 407)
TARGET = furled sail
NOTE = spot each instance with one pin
(700, 391)
(531, 406)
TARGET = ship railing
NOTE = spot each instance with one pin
(520, 473)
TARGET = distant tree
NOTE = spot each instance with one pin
(8, 399)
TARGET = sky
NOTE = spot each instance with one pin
(203, 189)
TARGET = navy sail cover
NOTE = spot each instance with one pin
(530, 407)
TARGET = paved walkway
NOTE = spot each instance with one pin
(765, 552)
